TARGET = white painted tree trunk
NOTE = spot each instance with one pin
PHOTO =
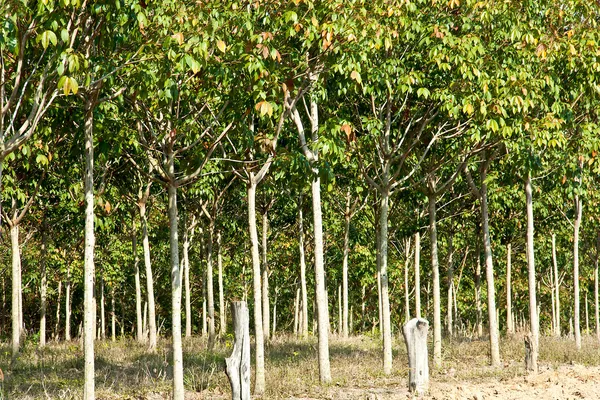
(43, 287)
(418, 274)
(149, 281)
(576, 311)
(222, 324)
(89, 314)
(304, 314)
(437, 320)
(139, 334)
(533, 314)
(510, 328)
(259, 370)
(556, 286)
(346, 253)
(178, 389)
(16, 289)
(415, 338)
(266, 307)
(237, 366)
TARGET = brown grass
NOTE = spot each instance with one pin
(125, 370)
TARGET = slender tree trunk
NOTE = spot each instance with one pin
(304, 315)
(553, 302)
(596, 311)
(16, 289)
(149, 281)
(450, 286)
(113, 323)
(478, 307)
(378, 263)
(406, 289)
(210, 293)
(259, 371)
(43, 287)
(68, 305)
(556, 286)
(345, 266)
(489, 271)
(418, 274)
(102, 311)
(533, 313)
(139, 334)
(275, 312)
(578, 212)
(340, 312)
(385, 301)
(509, 312)
(222, 324)
(296, 311)
(265, 278)
(186, 274)
(89, 317)
(57, 319)
(437, 320)
(587, 319)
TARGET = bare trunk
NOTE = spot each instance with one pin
(418, 275)
(406, 288)
(437, 320)
(345, 266)
(556, 286)
(265, 279)
(596, 311)
(385, 301)
(210, 293)
(450, 286)
(186, 278)
(478, 307)
(178, 389)
(149, 281)
(578, 212)
(43, 287)
(222, 324)
(275, 312)
(57, 319)
(533, 314)
(259, 371)
(296, 311)
(509, 313)
(340, 312)
(102, 311)
(16, 289)
(113, 323)
(68, 305)
(378, 264)
(237, 366)
(89, 317)
(304, 315)
(139, 334)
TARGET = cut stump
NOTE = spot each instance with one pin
(415, 336)
(237, 366)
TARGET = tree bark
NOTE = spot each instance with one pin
(57, 319)
(478, 307)
(113, 323)
(596, 311)
(296, 311)
(68, 305)
(186, 278)
(16, 289)
(210, 292)
(89, 317)
(556, 286)
(450, 286)
(266, 307)
(437, 320)
(415, 338)
(139, 334)
(149, 280)
(43, 286)
(533, 313)
(385, 301)
(238, 364)
(577, 225)
(510, 329)
(102, 311)
(418, 274)
(345, 266)
(259, 370)
(406, 289)
(304, 315)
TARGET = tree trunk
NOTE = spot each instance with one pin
(587, 319)
(113, 323)
(340, 312)
(266, 308)
(57, 319)
(102, 311)
(178, 389)
(385, 301)
(489, 272)
(275, 312)
(415, 338)
(16, 289)
(556, 286)
(418, 274)
(510, 329)
(378, 264)
(222, 324)
(478, 307)
(43, 287)
(406, 289)
(237, 366)
(304, 315)
(186, 278)
(139, 334)
(68, 305)
(345, 266)
(296, 311)
(578, 212)
(259, 371)
(149, 281)
(533, 314)
(596, 311)
(210, 293)
(450, 286)
(437, 320)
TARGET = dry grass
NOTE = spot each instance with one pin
(125, 370)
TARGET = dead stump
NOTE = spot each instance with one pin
(415, 336)
(237, 366)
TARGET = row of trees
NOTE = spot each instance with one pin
(460, 122)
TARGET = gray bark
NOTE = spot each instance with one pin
(238, 364)
(304, 314)
(576, 312)
(418, 274)
(16, 289)
(57, 319)
(596, 311)
(139, 332)
(346, 251)
(510, 328)
(149, 275)
(406, 289)
(68, 305)
(385, 301)
(102, 310)
(266, 308)
(556, 286)
(415, 338)
(437, 320)
(222, 324)
(533, 314)
(43, 287)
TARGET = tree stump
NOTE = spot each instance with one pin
(237, 366)
(531, 353)
(415, 337)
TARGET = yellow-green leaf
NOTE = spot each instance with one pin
(221, 45)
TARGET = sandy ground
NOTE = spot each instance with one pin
(569, 382)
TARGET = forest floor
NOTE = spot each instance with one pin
(124, 370)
